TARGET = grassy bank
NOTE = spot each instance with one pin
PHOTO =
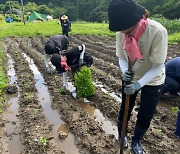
(3, 78)
(52, 27)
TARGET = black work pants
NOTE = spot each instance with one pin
(148, 101)
(65, 32)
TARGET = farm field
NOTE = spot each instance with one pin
(38, 119)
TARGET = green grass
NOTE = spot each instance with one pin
(51, 28)
(83, 28)
(3, 79)
(174, 38)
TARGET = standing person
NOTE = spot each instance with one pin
(65, 24)
(141, 41)
(54, 45)
(172, 81)
(71, 61)
(59, 18)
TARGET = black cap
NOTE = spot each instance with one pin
(124, 14)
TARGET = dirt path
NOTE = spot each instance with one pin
(91, 136)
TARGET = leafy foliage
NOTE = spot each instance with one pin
(83, 83)
(90, 10)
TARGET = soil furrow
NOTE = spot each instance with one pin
(87, 131)
(89, 134)
(33, 126)
(109, 103)
(96, 45)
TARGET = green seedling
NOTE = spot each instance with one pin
(61, 90)
(159, 131)
(43, 141)
(29, 95)
(27, 84)
(56, 77)
(110, 76)
(107, 93)
(35, 111)
(174, 110)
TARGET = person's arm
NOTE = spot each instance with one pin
(154, 71)
(123, 64)
(83, 50)
(46, 57)
(81, 58)
(65, 76)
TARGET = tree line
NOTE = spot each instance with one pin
(89, 10)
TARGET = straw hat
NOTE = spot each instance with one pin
(64, 17)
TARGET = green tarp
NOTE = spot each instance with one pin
(37, 16)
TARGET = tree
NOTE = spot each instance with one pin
(44, 9)
(31, 6)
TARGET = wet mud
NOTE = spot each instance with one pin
(60, 122)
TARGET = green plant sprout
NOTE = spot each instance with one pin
(61, 90)
(43, 141)
(35, 111)
(107, 93)
(29, 95)
(27, 84)
(174, 110)
(56, 77)
(159, 131)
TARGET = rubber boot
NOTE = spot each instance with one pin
(119, 132)
(136, 140)
(177, 131)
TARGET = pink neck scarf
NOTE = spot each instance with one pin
(64, 64)
(131, 40)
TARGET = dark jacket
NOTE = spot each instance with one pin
(73, 56)
(173, 68)
(66, 25)
(56, 43)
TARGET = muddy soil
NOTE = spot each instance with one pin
(90, 135)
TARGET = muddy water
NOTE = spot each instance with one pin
(12, 127)
(107, 125)
(51, 114)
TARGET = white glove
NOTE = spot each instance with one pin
(74, 94)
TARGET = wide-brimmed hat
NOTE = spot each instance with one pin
(64, 17)
(124, 14)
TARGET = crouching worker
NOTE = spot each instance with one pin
(54, 45)
(71, 60)
(172, 81)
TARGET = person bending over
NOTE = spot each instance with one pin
(71, 60)
(54, 45)
(172, 81)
